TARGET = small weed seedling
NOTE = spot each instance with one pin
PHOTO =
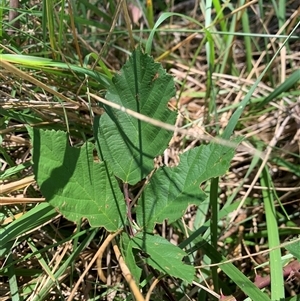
(102, 192)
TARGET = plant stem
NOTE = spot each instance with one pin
(214, 226)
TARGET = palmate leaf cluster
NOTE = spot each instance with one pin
(78, 187)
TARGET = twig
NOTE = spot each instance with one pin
(152, 287)
(287, 271)
(171, 127)
(261, 282)
(262, 166)
(128, 201)
(127, 274)
(283, 245)
(99, 252)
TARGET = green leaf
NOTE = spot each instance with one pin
(33, 218)
(12, 170)
(294, 298)
(290, 166)
(284, 87)
(294, 248)
(49, 285)
(171, 190)
(163, 256)
(50, 66)
(128, 144)
(73, 183)
(247, 286)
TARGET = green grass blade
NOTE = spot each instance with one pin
(160, 20)
(210, 57)
(291, 167)
(237, 114)
(284, 87)
(33, 218)
(44, 24)
(227, 44)
(50, 66)
(4, 269)
(220, 15)
(277, 285)
(1, 16)
(247, 40)
(50, 283)
(280, 11)
(214, 226)
(235, 274)
(40, 259)
(98, 12)
(50, 23)
(197, 235)
(12, 281)
(61, 27)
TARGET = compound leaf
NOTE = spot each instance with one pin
(74, 184)
(163, 256)
(128, 144)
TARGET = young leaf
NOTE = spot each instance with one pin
(73, 183)
(171, 190)
(128, 144)
(163, 256)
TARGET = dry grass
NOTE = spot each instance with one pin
(275, 129)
